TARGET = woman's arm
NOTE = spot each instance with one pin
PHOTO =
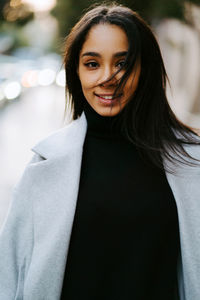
(16, 240)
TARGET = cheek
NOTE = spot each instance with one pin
(86, 87)
(129, 87)
(83, 81)
(88, 82)
(88, 79)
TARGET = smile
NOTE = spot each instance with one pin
(108, 97)
(108, 100)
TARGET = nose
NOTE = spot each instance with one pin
(107, 76)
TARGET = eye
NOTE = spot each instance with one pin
(91, 65)
(120, 64)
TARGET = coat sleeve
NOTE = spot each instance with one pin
(16, 239)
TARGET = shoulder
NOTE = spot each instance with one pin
(62, 140)
(181, 164)
(49, 155)
(184, 177)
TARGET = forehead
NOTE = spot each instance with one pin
(105, 38)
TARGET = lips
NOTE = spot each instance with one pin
(108, 99)
(108, 96)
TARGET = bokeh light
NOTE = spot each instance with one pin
(40, 5)
(12, 90)
(46, 77)
(60, 78)
(30, 78)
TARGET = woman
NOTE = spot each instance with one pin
(94, 216)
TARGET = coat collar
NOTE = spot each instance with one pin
(57, 144)
(71, 138)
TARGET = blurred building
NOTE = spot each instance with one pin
(180, 46)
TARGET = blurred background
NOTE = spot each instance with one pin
(32, 96)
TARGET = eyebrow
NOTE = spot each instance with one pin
(96, 54)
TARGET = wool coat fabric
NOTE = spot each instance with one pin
(35, 236)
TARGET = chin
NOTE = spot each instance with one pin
(108, 112)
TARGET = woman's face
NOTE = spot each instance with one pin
(102, 54)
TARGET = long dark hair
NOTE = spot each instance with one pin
(147, 119)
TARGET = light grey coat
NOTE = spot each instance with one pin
(35, 236)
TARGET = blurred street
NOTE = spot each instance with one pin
(23, 123)
(32, 78)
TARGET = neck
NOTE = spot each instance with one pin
(101, 125)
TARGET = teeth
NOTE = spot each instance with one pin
(107, 97)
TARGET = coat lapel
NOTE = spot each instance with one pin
(185, 184)
(54, 195)
(64, 141)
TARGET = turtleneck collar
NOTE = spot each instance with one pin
(102, 126)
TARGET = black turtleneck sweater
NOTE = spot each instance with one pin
(125, 238)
